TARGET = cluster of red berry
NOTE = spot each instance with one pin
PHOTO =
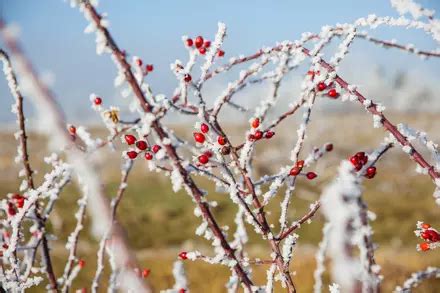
(359, 160)
(429, 234)
(258, 134)
(148, 68)
(331, 93)
(200, 138)
(16, 201)
(142, 146)
(202, 45)
(296, 170)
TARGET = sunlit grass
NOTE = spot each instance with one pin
(160, 222)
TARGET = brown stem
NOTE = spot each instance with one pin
(45, 97)
(390, 127)
(368, 241)
(301, 221)
(282, 268)
(170, 150)
(25, 158)
(114, 206)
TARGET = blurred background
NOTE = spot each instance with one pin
(160, 223)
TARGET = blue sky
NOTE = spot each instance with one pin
(52, 35)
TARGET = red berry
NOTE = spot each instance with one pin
(187, 77)
(300, 164)
(269, 134)
(183, 255)
(255, 123)
(258, 134)
(145, 273)
(426, 226)
(11, 209)
(204, 128)
(295, 171)
(149, 67)
(221, 53)
(199, 42)
(371, 172)
(98, 101)
(251, 137)
(132, 154)
(139, 62)
(20, 202)
(425, 235)
(311, 175)
(189, 42)
(148, 156)
(181, 290)
(202, 50)
(207, 44)
(221, 140)
(199, 137)
(5, 246)
(208, 153)
(322, 86)
(432, 235)
(424, 246)
(333, 94)
(130, 139)
(72, 129)
(354, 160)
(156, 148)
(329, 147)
(142, 145)
(203, 159)
(81, 263)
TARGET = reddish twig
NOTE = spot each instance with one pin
(170, 150)
(25, 158)
(301, 221)
(114, 206)
(47, 99)
(390, 127)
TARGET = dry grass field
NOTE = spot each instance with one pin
(160, 223)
